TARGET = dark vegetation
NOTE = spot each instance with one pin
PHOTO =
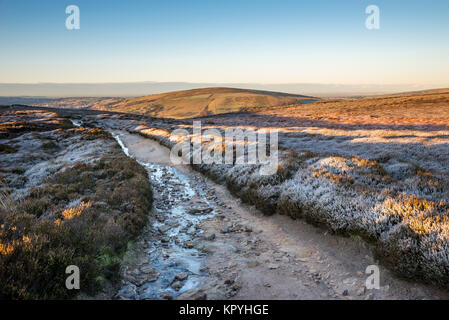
(85, 214)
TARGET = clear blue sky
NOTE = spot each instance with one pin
(225, 41)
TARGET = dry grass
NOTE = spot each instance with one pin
(16, 122)
(405, 110)
(201, 102)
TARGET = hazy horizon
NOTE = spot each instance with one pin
(130, 89)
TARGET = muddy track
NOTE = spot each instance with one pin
(202, 243)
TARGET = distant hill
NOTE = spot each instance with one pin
(201, 102)
(440, 91)
(425, 109)
(138, 89)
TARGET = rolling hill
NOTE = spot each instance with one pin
(201, 102)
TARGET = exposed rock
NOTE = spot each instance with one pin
(194, 294)
(151, 274)
(182, 276)
(164, 228)
(233, 227)
(166, 296)
(225, 229)
(209, 236)
(172, 224)
(177, 285)
(127, 292)
(199, 210)
(189, 244)
(141, 276)
(138, 281)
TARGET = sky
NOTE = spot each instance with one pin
(257, 41)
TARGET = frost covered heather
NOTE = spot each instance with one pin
(376, 168)
(68, 196)
(235, 147)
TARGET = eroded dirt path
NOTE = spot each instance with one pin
(201, 243)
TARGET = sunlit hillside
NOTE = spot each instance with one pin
(202, 102)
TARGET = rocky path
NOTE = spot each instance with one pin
(202, 243)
